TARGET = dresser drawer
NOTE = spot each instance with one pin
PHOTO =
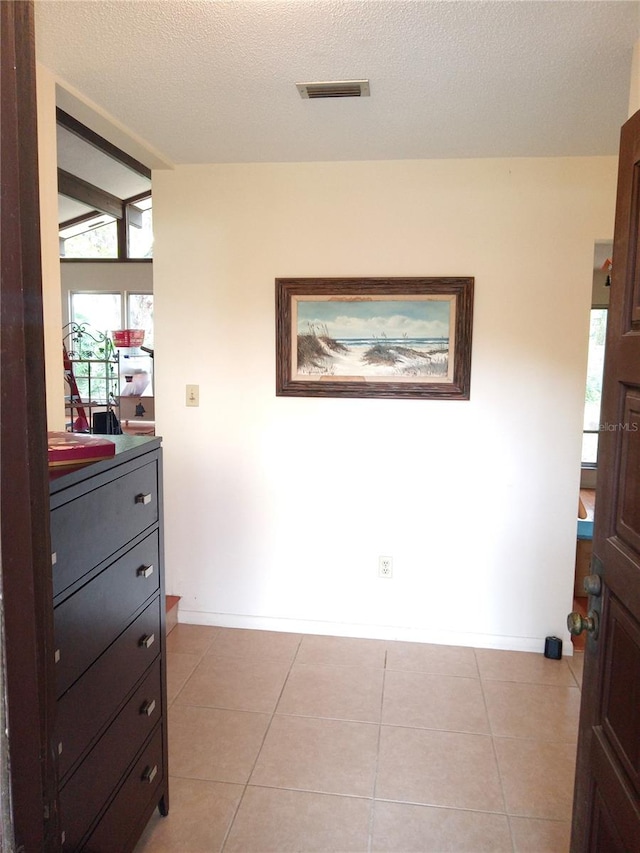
(91, 619)
(85, 794)
(85, 709)
(119, 826)
(90, 528)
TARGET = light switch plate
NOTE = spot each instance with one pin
(193, 395)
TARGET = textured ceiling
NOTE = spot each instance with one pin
(204, 81)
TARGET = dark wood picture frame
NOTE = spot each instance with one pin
(398, 338)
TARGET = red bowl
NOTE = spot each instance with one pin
(128, 337)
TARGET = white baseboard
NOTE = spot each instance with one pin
(369, 632)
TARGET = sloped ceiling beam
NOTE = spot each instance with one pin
(94, 197)
(92, 138)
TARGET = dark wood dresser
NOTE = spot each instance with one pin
(109, 623)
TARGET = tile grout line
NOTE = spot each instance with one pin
(495, 752)
(575, 677)
(375, 769)
(201, 657)
(494, 738)
(253, 766)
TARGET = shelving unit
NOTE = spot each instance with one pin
(137, 410)
(92, 375)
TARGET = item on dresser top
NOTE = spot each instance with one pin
(72, 448)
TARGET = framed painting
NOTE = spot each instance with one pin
(374, 337)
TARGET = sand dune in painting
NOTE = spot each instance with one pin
(324, 356)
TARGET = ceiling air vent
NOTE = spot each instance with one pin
(335, 89)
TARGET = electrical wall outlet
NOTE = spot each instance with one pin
(385, 567)
(193, 395)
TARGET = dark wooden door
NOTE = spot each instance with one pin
(25, 552)
(606, 817)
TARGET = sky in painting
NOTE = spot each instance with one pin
(420, 318)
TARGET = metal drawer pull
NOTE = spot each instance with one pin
(56, 655)
(54, 558)
(148, 708)
(143, 499)
(145, 571)
(60, 748)
(150, 774)
(147, 640)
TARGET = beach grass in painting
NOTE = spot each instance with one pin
(381, 339)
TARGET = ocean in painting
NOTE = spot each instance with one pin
(416, 343)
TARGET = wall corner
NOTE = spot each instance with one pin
(634, 88)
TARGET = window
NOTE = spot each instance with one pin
(95, 237)
(140, 315)
(108, 311)
(101, 311)
(105, 312)
(140, 228)
(593, 393)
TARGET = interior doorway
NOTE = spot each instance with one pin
(592, 423)
(105, 232)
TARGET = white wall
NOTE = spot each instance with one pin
(276, 509)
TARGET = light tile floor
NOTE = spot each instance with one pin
(288, 742)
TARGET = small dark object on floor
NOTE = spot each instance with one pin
(553, 648)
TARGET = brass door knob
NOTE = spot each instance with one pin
(577, 623)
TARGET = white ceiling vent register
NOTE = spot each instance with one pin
(334, 89)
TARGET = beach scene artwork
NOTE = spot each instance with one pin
(381, 338)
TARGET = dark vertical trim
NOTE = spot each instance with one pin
(123, 235)
(24, 500)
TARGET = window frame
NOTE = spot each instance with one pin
(73, 293)
(124, 301)
(79, 220)
(122, 231)
(125, 323)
